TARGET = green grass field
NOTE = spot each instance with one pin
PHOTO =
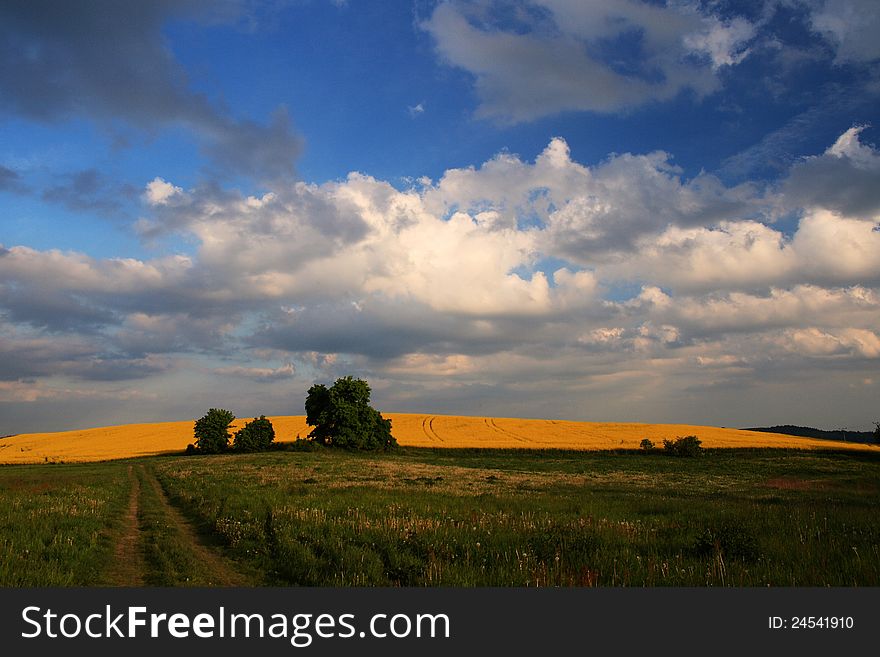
(424, 517)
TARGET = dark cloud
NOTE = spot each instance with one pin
(89, 191)
(334, 328)
(10, 181)
(384, 330)
(836, 183)
(144, 335)
(536, 59)
(108, 61)
(55, 311)
(248, 148)
(27, 357)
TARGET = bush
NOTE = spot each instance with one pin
(342, 417)
(686, 446)
(255, 436)
(303, 445)
(212, 431)
(734, 540)
(646, 444)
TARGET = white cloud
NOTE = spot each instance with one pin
(60, 271)
(816, 342)
(849, 146)
(159, 192)
(508, 280)
(724, 43)
(825, 249)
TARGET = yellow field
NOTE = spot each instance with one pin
(106, 443)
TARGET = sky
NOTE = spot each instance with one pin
(607, 211)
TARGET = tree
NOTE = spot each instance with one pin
(255, 436)
(877, 432)
(212, 431)
(342, 416)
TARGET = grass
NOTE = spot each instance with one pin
(489, 518)
(455, 517)
(58, 524)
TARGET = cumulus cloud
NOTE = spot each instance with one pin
(504, 280)
(108, 61)
(159, 192)
(825, 249)
(815, 342)
(549, 56)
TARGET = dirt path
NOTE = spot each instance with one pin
(127, 568)
(221, 571)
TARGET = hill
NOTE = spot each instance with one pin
(415, 430)
(809, 432)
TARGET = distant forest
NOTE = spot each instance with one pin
(810, 432)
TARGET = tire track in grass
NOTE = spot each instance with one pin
(494, 425)
(127, 567)
(213, 568)
(428, 428)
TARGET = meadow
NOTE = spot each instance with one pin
(448, 517)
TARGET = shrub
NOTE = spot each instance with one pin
(733, 540)
(303, 445)
(646, 444)
(255, 436)
(212, 431)
(686, 446)
(342, 417)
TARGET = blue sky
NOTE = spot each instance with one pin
(615, 210)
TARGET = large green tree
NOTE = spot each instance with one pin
(212, 431)
(255, 436)
(342, 416)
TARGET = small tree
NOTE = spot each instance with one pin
(342, 416)
(877, 432)
(212, 431)
(687, 446)
(255, 436)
